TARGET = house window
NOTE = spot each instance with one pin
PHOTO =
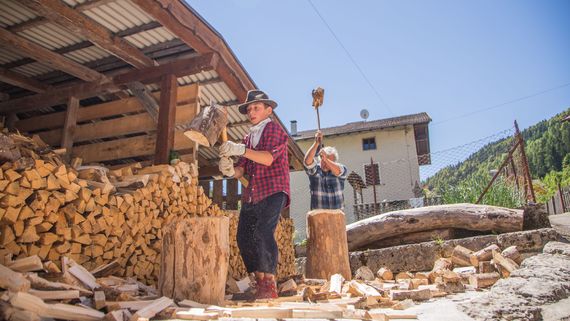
(372, 174)
(369, 143)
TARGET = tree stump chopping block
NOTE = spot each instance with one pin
(327, 248)
(194, 260)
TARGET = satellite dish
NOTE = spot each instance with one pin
(364, 114)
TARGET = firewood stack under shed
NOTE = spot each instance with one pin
(95, 215)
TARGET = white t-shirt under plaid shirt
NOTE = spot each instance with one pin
(326, 188)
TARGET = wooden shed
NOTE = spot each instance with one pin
(114, 81)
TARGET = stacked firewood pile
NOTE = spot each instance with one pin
(284, 238)
(93, 214)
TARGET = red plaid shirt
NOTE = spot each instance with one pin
(267, 180)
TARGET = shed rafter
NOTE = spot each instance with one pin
(72, 20)
(187, 26)
(58, 95)
(16, 79)
(50, 58)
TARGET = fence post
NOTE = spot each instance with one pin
(561, 198)
(525, 162)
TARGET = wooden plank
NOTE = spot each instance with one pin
(84, 276)
(55, 295)
(166, 118)
(126, 148)
(27, 264)
(16, 79)
(26, 301)
(48, 57)
(69, 125)
(139, 123)
(13, 281)
(131, 305)
(187, 95)
(79, 24)
(152, 309)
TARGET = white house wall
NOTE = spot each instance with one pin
(399, 171)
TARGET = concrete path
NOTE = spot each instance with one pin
(561, 223)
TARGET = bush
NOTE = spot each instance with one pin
(502, 193)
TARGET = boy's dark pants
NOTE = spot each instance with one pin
(255, 235)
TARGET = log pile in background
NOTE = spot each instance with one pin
(284, 238)
(95, 215)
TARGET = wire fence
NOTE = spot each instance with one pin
(489, 171)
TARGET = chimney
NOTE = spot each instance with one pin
(293, 128)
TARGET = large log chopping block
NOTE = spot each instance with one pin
(327, 248)
(194, 262)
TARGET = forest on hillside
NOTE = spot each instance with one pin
(547, 146)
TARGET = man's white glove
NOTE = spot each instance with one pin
(230, 148)
(226, 166)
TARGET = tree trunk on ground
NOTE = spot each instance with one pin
(413, 238)
(327, 250)
(194, 262)
(465, 216)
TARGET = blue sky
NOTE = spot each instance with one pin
(446, 58)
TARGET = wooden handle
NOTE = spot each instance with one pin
(224, 137)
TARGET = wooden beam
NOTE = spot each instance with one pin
(139, 123)
(218, 197)
(147, 100)
(58, 95)
(208, 171)
(187, 95)
(57, 12)
(166, 118)
(69, 125)
(4, 96)
(138, 146)
(178, 68)
(83, 44)
(191, 29)
(48, 57)
(15, 79)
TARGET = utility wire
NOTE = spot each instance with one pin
(351, 58)
(503, 104)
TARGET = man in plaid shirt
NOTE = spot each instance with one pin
(326, 178)
(264, 159)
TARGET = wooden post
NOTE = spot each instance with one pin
(69, 126)
(327, 247)
(166, 118)
(525, 163)
(232, 191)
(194, 260)
(218, 196)
(206, 187)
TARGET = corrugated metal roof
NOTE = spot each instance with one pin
(116, 16)
(361, 126)
(11, 13)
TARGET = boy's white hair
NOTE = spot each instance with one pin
(329, 150)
